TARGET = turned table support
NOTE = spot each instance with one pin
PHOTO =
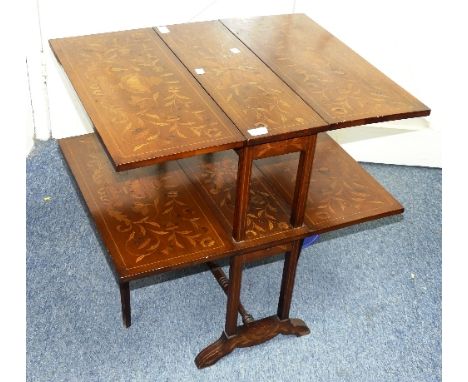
(257, 331)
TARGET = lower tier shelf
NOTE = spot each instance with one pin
(180, 213)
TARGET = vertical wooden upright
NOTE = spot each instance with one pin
(287, 281)
(233, 300)
(304, 170)
(244, 173)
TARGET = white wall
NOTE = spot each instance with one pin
(28, 113)
(34, 77)
(393, 36)
(25, 60)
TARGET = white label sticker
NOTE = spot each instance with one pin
(200, 71)
(234, 50)
(258, 131)
(163, 29)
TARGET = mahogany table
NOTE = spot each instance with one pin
(181, 113)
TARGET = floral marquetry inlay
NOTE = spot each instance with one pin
(336, 82)
(147, 215)
(247, 90)
(141, 99)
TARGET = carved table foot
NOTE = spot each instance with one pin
(250, 334)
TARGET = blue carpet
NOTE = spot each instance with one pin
(371, 295)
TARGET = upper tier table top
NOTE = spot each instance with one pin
(240, 83)
(143, 103)
(148, 103)
(342, 87)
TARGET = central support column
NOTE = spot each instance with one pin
(255, 332)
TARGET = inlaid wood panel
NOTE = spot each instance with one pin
(342, 87)
(248, 91)
(149, 218)
(157, 218)
(143, 103)
(215, 175)
(341, 192)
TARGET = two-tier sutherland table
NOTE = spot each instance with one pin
(181, 113)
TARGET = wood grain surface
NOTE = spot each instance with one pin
(342, 87)
(247, 90)
(143, 103)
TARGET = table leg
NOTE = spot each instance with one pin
(255, 332)
(226, 343)
(235, 278)
(287, 281)
(304, 169)
(244, 172)
(125, 300)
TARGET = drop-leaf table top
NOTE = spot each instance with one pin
(156, 94)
